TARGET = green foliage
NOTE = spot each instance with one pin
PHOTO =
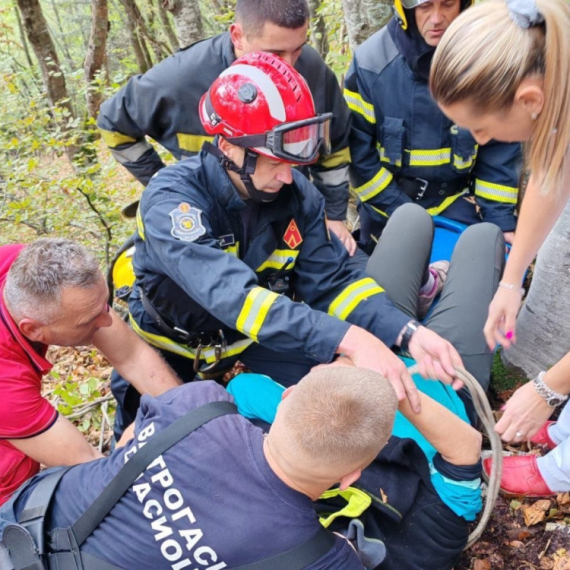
(503, 378)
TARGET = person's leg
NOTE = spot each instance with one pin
(474, 274)
(287, 368)
(400, 260)
(560, 431)
(555, 467)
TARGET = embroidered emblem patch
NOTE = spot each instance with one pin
(187, 223)
(292, 236)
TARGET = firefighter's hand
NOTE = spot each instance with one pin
(435, 357)
(340, 230)
(366, 351)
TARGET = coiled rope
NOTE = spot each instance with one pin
(485, 414)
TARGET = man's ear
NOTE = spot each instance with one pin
(237, 36)
(31, 329)
(349, 479)
(287, 392)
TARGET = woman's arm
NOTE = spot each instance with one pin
(456, 441)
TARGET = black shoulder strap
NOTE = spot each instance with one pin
(298, 557)
(157, 445)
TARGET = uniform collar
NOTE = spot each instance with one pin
(412, 47)
(36, 356)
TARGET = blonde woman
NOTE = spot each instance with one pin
(502, 70)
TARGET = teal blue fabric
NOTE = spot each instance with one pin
(257, 396)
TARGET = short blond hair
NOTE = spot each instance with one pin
(484, 56)
(340, 415)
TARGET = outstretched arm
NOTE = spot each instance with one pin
(137, 362)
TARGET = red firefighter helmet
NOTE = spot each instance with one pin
(262, 103)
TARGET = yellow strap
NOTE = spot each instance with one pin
(445, 204)
(357, 502)
(140, 224)
(192, 143)
(355, 102)
(352, 295)
(113, 138)
(254, 311)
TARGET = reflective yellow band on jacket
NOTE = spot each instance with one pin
(113, 138)
(384, 158)
(207, 354)
(352, 295)
(337, 158)
(436, 210)
(232, 249)
(359, 105)
(254, 311)
(464, 163)
(357, 502)
(430, 157)
(140, 224)
(192, 143)
(496, 192)
(278, 259)
(375, 186)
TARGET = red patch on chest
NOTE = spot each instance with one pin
(292, 236)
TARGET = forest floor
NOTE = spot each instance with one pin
(521, 535)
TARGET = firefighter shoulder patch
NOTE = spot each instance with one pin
(187, 223)
(292, 236)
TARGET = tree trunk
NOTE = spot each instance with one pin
(96, 54)
(319, 37)
(52, 75)
(168, 28)
(543, 324)
(364, 17)
(188, 20)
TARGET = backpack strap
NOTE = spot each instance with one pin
(298, 557)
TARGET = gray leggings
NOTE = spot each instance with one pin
(399, 263)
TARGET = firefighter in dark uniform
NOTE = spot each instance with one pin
(233, 257)
(403, 148)
(163, 103)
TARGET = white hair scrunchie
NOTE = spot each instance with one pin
(524, 13)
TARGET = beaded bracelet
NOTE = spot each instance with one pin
(511, 287)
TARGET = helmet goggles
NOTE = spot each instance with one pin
(299, 142)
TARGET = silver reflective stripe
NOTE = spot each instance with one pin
(334, 177)
(131, 153)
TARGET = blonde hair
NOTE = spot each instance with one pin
(484, 56)
(339, 415)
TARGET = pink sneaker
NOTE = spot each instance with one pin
(439, 271)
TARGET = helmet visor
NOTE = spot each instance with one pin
(410, 4)
(299, 142)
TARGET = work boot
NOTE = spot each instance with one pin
(541, 437)
(439, 271)
(520, 476)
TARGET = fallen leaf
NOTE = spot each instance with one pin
(562, 563)
(516, 544)
(482, 565)
(535, 513)
(546, 563)
(563, 498)
(383, 496)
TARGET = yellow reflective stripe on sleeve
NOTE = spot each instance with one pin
(207, 354)
(352, 295)
(384, 158)
(113, 138)
(375, 186)
(357, 502)
(359, 105)
(445, 204)
(430, 157)
(254, 311)
(232, 249)
(192, 143)
(381, 212)
(337, 158)
(496, 192)
(278, 259)
(140, 224)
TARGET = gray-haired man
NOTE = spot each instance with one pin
(52, 292)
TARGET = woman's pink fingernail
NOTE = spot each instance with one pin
(503, 407)
(509, 335)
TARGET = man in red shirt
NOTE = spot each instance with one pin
(53, 292)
